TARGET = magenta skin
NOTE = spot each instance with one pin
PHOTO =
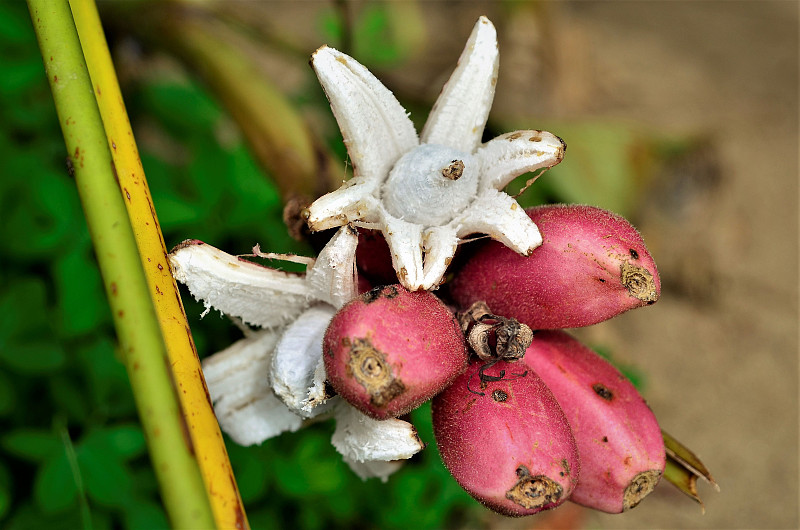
(510, 448)
(390, 350)
(591, 266)
(618, 437)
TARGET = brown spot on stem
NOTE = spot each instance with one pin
(238, 508)
(639, 488)
(533, 492)
(514, 136)
(369, 367)
(639, 282)
(205, 388)
(114, 288)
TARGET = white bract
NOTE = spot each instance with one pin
(273, 380)
(426, 194)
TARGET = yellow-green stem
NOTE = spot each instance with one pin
(115, 247)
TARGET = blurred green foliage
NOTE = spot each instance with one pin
(71, 452)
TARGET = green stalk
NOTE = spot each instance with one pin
(117, 255)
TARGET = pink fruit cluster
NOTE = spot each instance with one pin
(520, 433)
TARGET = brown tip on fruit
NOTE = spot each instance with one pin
(639, 282)
(370, 369)
(639, 488)
(533, 492)
(375, 293)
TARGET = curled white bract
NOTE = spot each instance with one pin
(428, 193)
(273, 380)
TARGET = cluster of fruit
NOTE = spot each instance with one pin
(528, 417)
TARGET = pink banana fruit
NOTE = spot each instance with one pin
(591, 266)
(390, 350)
(619, 440)
(504, 438)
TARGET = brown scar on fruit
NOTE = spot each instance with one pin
(603, 391)
(532, 492)
(499, 395)
(639, 282)
(380, 292)
(639, 488)
(369, 367)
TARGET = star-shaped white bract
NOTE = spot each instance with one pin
(273, 380)
(426, 194)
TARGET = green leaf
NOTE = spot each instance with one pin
(48, 207)
(108, 384)
(54, 487)
(15, 26)
(144, 515)
(6, 489)
(29, 516)
(123, 441)
(34, 445)
(19, 75)
(181, 106)
(8, 396)
(311, 465)
(35, 357)
(106, 478)
(250, 472)
(69, 397)
(24, 309)
(76, 276)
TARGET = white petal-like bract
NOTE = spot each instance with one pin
(296, 357)
(375, 127)
(459, 116)
(260, 296)
(362, 439)
(237, 380)
(332, 278)
(510, 155)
